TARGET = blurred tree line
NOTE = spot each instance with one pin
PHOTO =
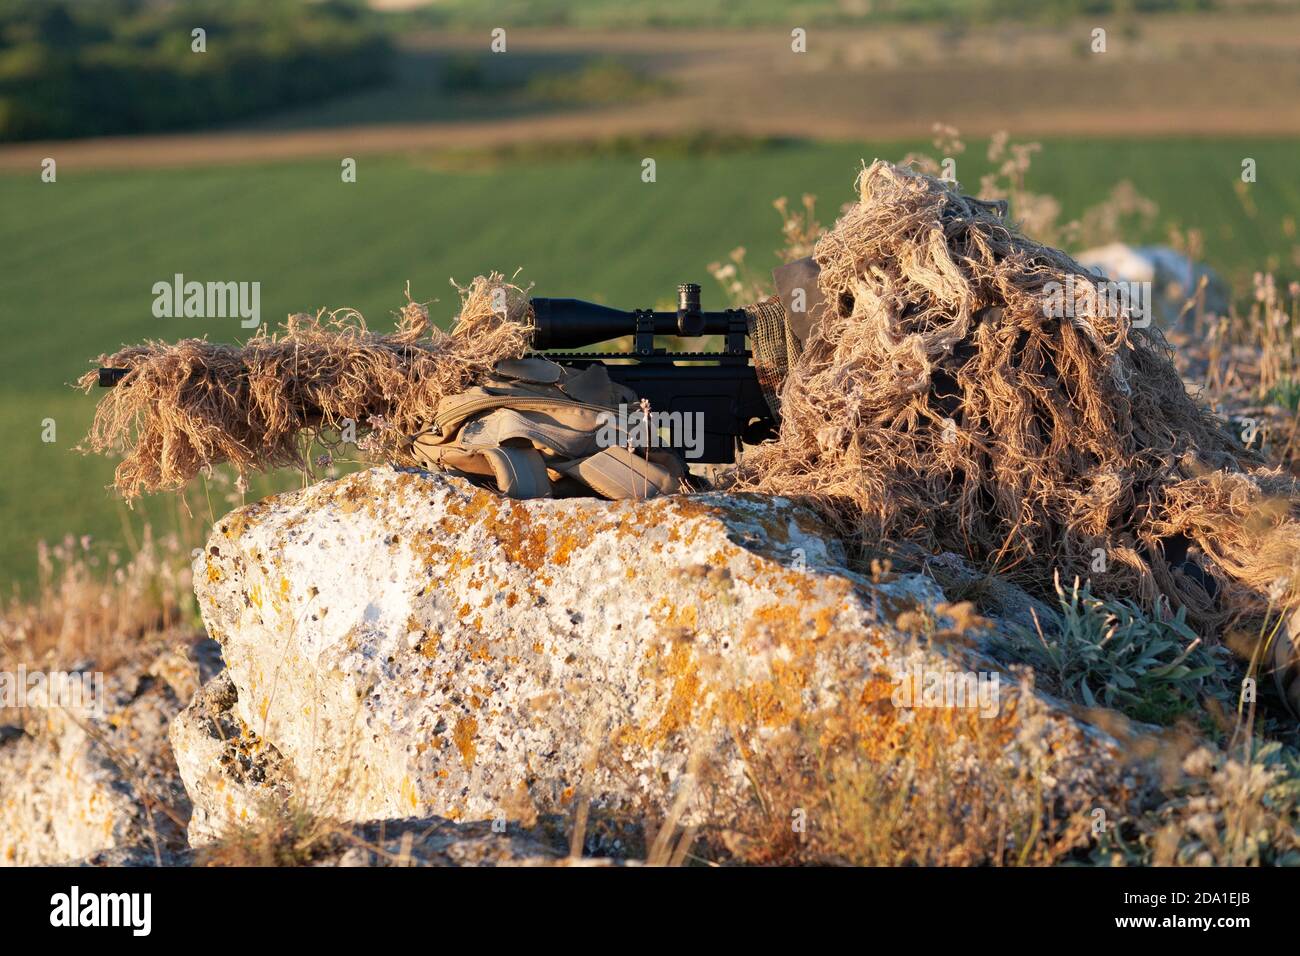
(651, 14)
(91, 67)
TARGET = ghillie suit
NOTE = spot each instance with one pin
(184, 407)
(966, 389)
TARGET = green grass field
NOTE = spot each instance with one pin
(81, 256)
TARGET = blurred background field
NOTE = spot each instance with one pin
(470, 161)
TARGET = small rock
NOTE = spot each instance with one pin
(75, 785)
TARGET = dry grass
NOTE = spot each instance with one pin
(277, 836)
(1229, 809)
(98, 607)
(941, 789)
(1248, 361)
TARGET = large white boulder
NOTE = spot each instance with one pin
(401, 644)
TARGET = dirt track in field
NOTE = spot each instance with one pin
(1206, 75)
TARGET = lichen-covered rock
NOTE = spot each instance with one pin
(75, 784)
(408, 644)
(233, 776)
(239, 780)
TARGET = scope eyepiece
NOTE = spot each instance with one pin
(688, 297)
(690, 321)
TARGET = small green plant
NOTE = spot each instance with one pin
(1108, 653)
(1285, 393)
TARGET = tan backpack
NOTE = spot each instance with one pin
(538, 429)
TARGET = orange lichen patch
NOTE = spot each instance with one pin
(429, 547)
(472, 507)
(523, 543)
(769, 703)
(682, 668)
(564, 548)
(879, 688)
(408, 481)
(462, 736)
(408, 796)
(529, 543)
(214, 573)
(511, 599)
(509, 524)
(350, 504)
(802, 584)
(636, 522)
(822, 621)
(240, 520)
(878, 725)
(773, 702)
(670, 615)
(723, 556)
(352, 498)
(686, 508)
(782, 623)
